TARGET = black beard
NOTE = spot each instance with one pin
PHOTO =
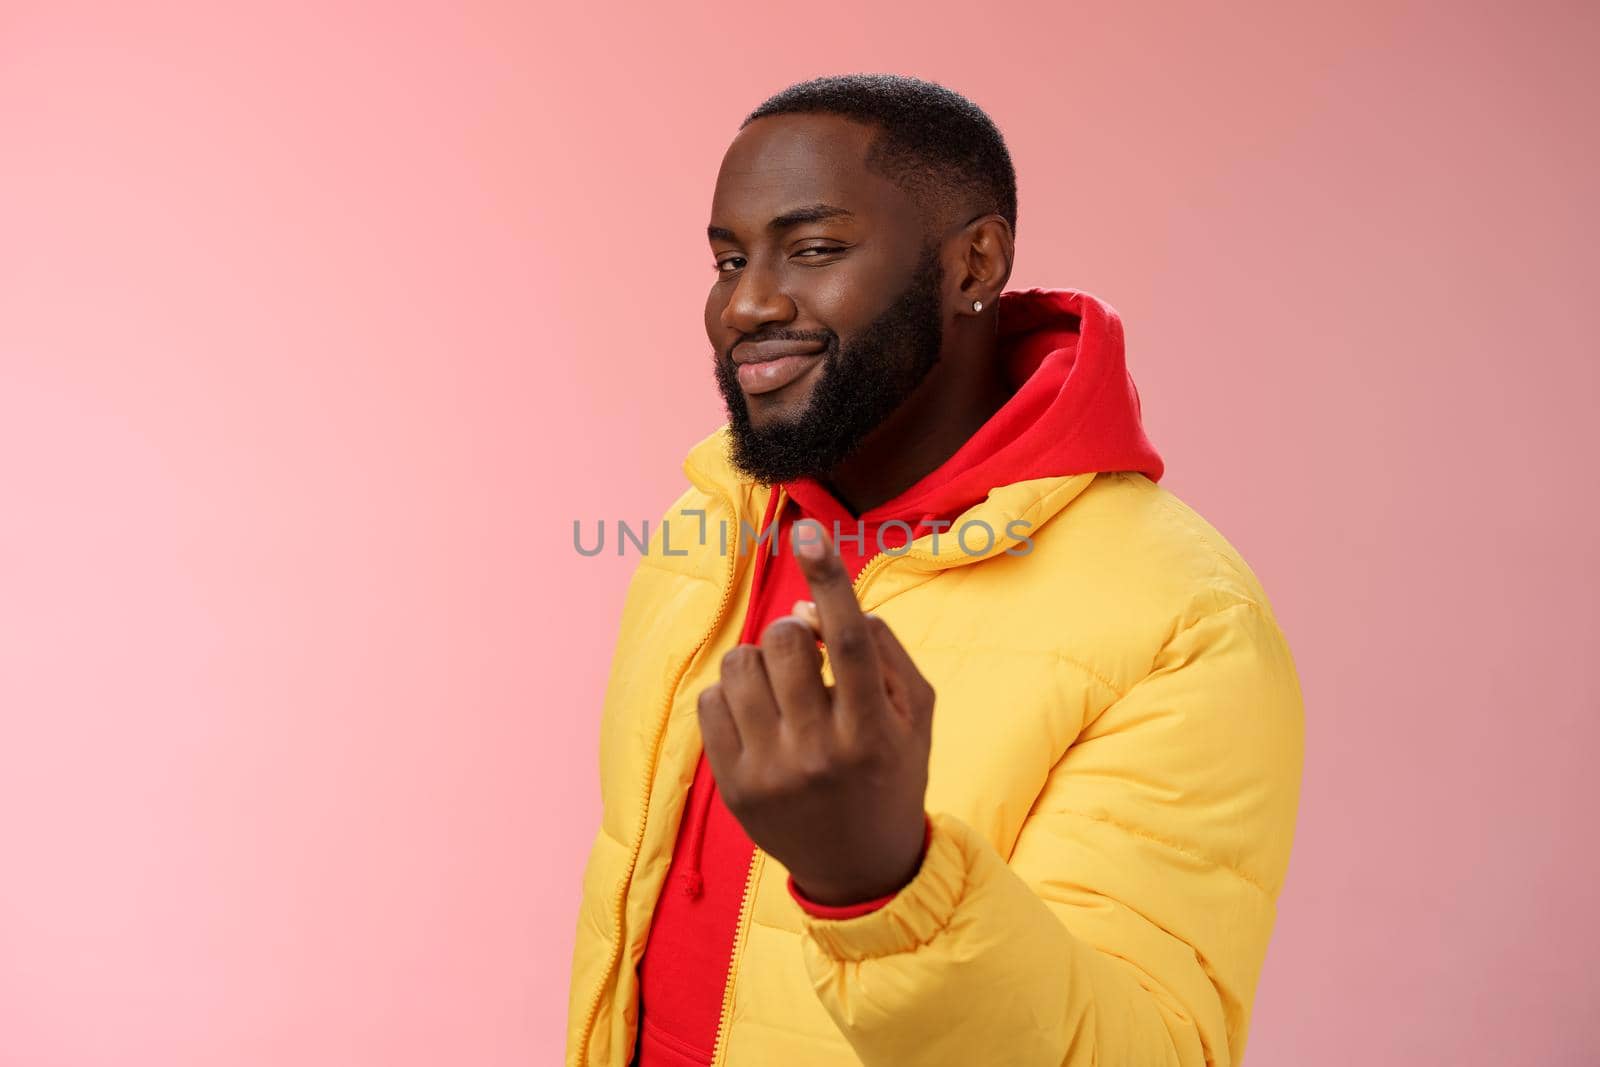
(860, 385)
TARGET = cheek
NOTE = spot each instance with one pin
(846, 296)
(715, 300)
(833, 297)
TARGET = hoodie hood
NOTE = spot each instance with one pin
(1075, 411)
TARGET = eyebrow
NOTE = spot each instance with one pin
(809, 213)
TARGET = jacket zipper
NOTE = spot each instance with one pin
(619, 906)
(741, 931)
(753, 875)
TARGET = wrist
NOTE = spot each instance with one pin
(843, 901)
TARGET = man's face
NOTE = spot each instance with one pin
(826, 310)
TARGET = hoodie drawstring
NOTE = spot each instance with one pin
(694, 882)
(699, 812)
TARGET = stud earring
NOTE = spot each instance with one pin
(977, 305)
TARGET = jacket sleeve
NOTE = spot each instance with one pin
(1131, 920)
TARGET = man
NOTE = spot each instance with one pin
(937, 732)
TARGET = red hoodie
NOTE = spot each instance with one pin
(1075, 410)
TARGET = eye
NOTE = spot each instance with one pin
(721, 265)
(822, 250)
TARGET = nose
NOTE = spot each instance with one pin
(757, 299)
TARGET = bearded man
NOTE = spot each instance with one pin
(937, 732)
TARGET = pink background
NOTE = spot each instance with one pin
(320, 325)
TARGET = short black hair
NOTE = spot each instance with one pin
(934, 143)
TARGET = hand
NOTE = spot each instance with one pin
(830, 781)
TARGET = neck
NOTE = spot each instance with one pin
(957, 397)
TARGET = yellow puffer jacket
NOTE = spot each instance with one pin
(1115, 772)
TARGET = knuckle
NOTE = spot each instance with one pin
(852, 643)
(815, 766)
(788, 636)
(738, 658)
(853, 757)
(709, 696)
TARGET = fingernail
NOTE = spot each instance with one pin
(808, 543)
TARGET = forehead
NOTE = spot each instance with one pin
(781, 162)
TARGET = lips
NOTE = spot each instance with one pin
(767, 366)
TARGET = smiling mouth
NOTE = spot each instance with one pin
(770, 375)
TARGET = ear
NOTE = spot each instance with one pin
(987, 252)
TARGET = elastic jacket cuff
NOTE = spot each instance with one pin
(912, 917)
